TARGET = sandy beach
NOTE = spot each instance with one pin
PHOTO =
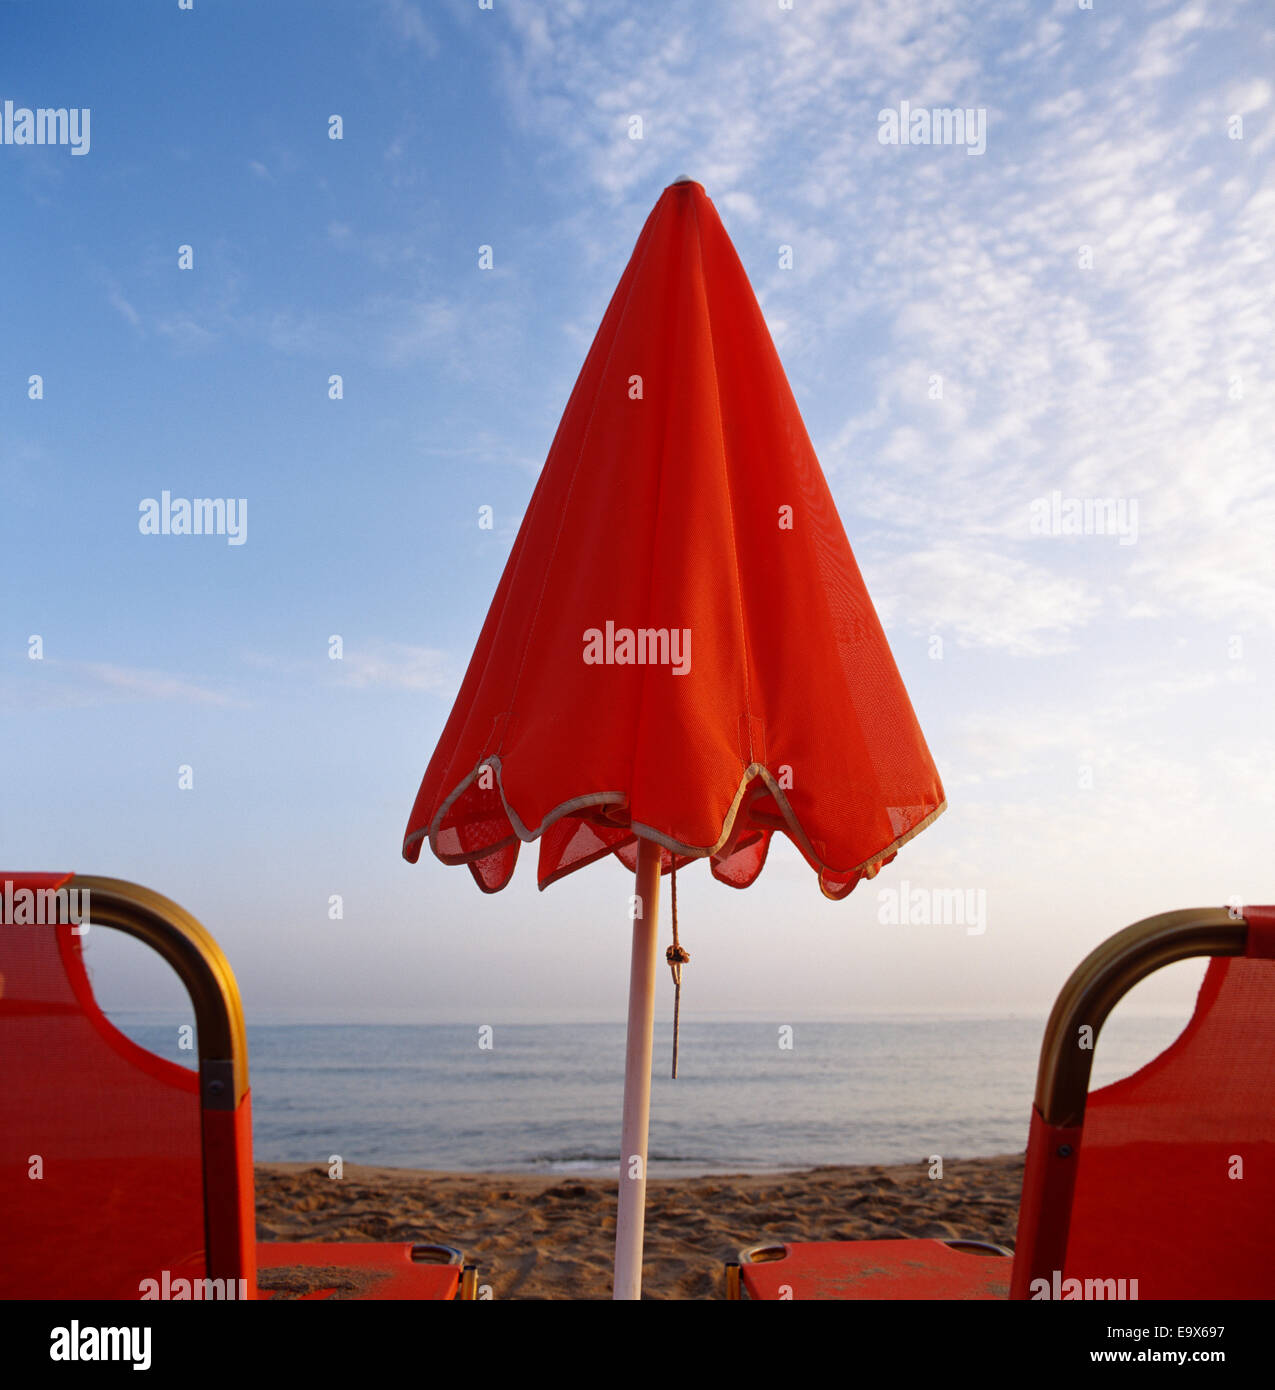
(553, 1237)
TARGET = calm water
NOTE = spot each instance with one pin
(546, 1097)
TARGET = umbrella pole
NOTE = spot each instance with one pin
(631, 1215)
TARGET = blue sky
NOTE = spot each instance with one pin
(1138, 371)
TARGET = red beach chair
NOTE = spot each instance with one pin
(125, 1176)
(1159, 1186)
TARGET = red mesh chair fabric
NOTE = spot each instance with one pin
(878, 1269)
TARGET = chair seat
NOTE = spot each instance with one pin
(869, 1269)
(307, 1270)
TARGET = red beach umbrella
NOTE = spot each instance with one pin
(681, 657)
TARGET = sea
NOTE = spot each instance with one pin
(750, 1097)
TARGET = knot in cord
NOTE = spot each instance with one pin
(677, 956)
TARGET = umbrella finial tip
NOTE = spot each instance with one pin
(683, 178)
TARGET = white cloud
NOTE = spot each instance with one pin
(407, 22)
(186, 333)
(397, 666)
(980, 598)
(95, 679)
(126, 309)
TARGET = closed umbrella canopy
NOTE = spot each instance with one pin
(681, 644)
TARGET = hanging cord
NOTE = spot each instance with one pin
(676, 957)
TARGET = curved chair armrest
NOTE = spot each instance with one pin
(193, 953)
(1099, 981)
